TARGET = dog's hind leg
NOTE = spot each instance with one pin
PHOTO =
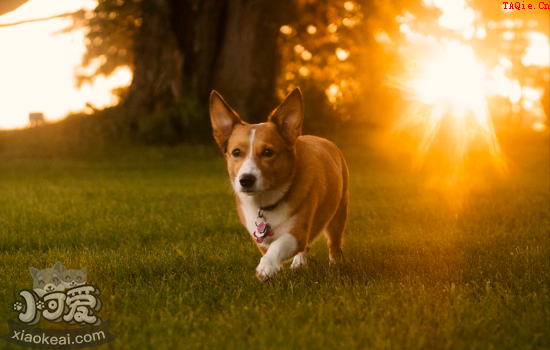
(335, 231)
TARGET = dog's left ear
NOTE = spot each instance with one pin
(223, 119)
(289, 116)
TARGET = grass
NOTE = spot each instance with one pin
(158, 232)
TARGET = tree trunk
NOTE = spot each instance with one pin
(186, 48)
(249, 60)
(231, 46)
(158, 62)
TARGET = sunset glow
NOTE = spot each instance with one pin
(37, 67)
(441, 82)
(454, 93)
(451, 85)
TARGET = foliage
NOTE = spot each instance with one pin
(349, 55)
(185, 121)
(353, 51)
(332, 46)
(111, 29)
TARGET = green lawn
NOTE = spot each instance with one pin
(158, 232)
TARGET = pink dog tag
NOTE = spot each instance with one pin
(262, 228)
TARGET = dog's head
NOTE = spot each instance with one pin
(259, 157)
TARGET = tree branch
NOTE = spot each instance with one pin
(39, 19)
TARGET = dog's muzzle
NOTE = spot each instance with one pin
(247, 181)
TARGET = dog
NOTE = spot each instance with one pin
(289, 188)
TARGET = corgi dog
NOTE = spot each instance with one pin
(289, 188)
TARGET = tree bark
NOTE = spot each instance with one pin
(186, 48)
(158, 62)
(249, 60)
(231, 46)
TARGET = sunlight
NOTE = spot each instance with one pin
(450, 78)
(538, 51)
(38, 74)
(456, 15)
(454, 77)
(451, 85)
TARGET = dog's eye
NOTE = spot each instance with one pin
(236, 152)
(268, 152)
(41, 283)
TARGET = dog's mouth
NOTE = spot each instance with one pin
(248, 191)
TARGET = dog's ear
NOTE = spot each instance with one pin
(288, 117)
(223, 119)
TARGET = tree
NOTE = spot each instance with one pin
(331, 51)
(245, 49)
(344, 54)
(180, 51)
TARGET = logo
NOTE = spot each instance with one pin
(60, 296)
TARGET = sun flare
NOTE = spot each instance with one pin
(454, 77)
(459, 79)
(450, 84)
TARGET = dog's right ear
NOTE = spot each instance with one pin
(223, 119)
(33, 271)
(288, 117)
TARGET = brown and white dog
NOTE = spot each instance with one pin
(289, 188)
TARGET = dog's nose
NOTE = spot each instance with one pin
(247, 180)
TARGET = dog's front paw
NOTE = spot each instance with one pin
(266, 271)
(299, 261)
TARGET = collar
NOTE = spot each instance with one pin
(274, 205)
(270, 207)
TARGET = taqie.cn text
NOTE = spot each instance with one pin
(510, 5)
